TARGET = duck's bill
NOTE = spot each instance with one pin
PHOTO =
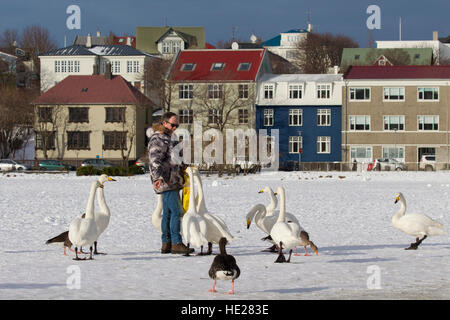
(111, 179)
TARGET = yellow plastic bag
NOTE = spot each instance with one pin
(186, 193)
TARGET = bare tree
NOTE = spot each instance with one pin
(37, 40)
(319, 52)
(156, 88)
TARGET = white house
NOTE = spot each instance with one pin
(80, 60)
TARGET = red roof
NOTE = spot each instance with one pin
(209, 46)
(93, 89)
(204, 59)
(398, 72)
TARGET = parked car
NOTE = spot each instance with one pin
(241, 164)
(55, 165)
(427, 162)
(8, 165)
(97, 163)
(143, 162)
(384, 164)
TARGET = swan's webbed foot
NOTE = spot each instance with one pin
(281, 257)
(270, 249)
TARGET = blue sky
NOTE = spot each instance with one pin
(262, 17)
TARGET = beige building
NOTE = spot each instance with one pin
(396, 112)
(92, 116)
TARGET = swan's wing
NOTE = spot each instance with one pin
(219, 224)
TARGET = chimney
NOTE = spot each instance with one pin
(98, 33)
(435, 35)
(336, 69)
(108, 73)
(129, 41)
(89, 41)
(310, 27)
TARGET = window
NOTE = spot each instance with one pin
(430, 94)
(357, 94)
(176, 46)
(115, 67)
(78, 114)
(115, 114)
(394, 94)
(268, 117)
(115, 140)
(362, 153)
(166, 47)
(323, 91)
(243, 116)
(215, 91)
(185, 116)
(295, 91)
(323, 117)
(357, 56)
(428, 123)
(186, 91)
(57, 66)
(359, 123)
(45, 140)
(188, 67)
(295, 143)
(268, 91)
(393, 152)
(245, 66)
(214, 116)
(76, 66)
(129, 66)
(394, 123)
(217, 66)
(45, 114)
(291, 54)
(63, 66)
(136, 66)
(69, 66)
(295, 117)
(323, 144)
(243, 91)
(77, 140)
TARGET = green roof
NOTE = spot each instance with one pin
(147, 37)
(397, 56)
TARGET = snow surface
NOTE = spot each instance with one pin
(349, 219)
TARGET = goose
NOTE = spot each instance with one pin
(224, 267)
(193, 225)
(63, 240)
(84, 231)
(102, 217)
(216, 227)
(284, 233)
(415, 224)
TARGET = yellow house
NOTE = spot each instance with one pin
(91, 116)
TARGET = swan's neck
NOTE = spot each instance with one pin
(282, 215)
(201, 207)
(102, 202)
(191, 207)
(256, 212)
(273, 204)
(90, 204)
(400, 213)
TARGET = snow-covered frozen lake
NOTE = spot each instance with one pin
(361, 255)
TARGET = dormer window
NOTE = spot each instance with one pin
(218, 66)
(245, 66)
(188, 67)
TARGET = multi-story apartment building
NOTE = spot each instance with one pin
(91, 116)
(306, 111)
(399, 112)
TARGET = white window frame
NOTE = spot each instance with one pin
(136, 66)
(129, 66)
(295, 89)
(295, 141)
(323, 117)
(421, 122)
(215, 91)
(242, 64)
(269, 91)
(115, 67)
(268, 117)
(185, 116)
(295, 117)
(57, 66)
(354, 153)
(387, 94)
(399, 151)
(421, 91)
(185, 91)
(323, 88)
(401, 117)
(217, 66)
(185, 66)
(323, 144)
(353, 122)
(243, 91)
(243, 116)
(353, 94)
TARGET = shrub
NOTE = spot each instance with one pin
(88, 171)
(134, 169)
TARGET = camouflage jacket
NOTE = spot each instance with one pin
(161, 162)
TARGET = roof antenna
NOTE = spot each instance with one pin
(400, 29)
(165, 19)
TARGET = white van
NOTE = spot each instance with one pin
(427, 162)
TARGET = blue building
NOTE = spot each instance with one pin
(306, 111)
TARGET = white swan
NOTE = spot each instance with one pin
(157, 213)
(102, 217)
(84, 231)
(415, 224)
(285, 234)
(266, 217)
(193, 226)
(216, 227)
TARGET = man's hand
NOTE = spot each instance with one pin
(157, 184)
